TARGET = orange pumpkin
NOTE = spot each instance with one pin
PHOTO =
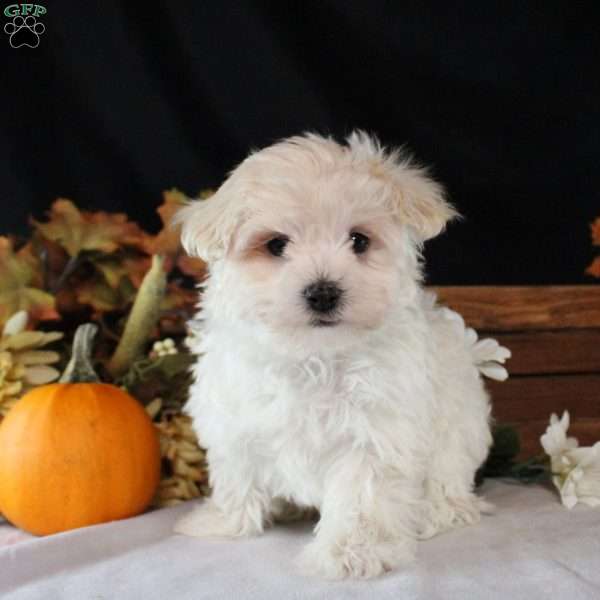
(76, 454)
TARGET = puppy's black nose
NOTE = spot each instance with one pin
(322, 296)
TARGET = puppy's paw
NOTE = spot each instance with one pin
(452, 512)
(208, 521)
(360, 561)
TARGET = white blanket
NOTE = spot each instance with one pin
(531, 548)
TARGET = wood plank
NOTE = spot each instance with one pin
(587, 431)
(535, 398)
(551, 352)
(505, 308)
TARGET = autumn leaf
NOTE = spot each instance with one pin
(102, 297)
(19, 286)
(178, 297)
(98, 294)
(112, 268)
(77, 231)
(66, 301)
(595, 231)
(137, 267)
(115, 266)
(594, 268)
(167, 241)
(192, 266)
(51, 257)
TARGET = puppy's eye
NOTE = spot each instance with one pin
(360, 242)
(277, 245)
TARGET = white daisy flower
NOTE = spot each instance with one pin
(575, 470)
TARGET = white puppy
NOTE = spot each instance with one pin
(326, 376)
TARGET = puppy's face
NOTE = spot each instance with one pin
(315, 241)
(324, 259)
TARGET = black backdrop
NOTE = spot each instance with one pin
(123, 100)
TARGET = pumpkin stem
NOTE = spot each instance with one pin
(80, 369)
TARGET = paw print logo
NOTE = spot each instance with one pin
(24, 31)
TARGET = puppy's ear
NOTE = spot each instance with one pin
(418, 201)
(208, 226)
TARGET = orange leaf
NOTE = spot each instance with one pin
(178, 297)
(167, 242)
(55, 257)
(77, 230)
(594, 268)
(137, 268)
(595, 231)
(194, 267)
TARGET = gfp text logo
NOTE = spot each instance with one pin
(24, 29)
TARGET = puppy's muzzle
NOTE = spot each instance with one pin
(323, 296)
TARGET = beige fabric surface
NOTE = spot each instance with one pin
(531, 548)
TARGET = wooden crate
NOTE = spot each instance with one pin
(554, 335)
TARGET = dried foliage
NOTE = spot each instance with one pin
(22, 284)
(81, 266)
(594, 267)
(23, 364)
(184, 462)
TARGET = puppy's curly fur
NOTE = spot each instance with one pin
(365, 400)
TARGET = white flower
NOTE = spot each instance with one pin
(575, 470)
(488, 355)
(164, 347)
(555, 441)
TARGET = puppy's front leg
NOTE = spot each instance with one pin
(237, 507)
(368, 521)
